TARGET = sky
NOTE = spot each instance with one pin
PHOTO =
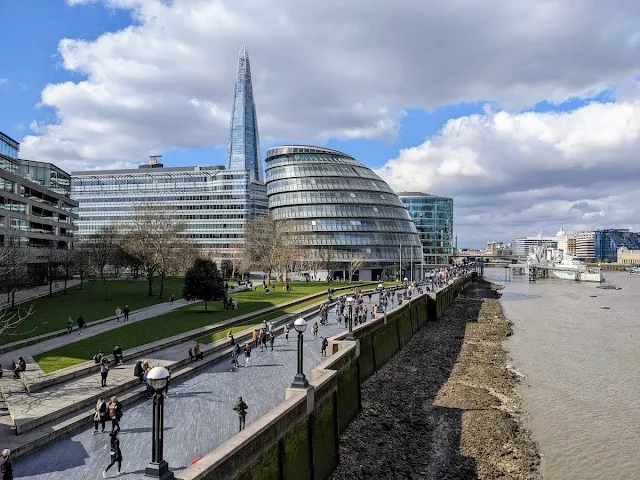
(526, 113)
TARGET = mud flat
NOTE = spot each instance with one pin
(446, 406)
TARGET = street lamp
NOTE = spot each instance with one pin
(350, 336)
(300, 381)
(157, 378)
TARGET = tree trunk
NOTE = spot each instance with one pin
(104, 282)
(161, 286)
(150, 284)
(13, 298)
(269, 277)
(233, 270)
(66, 275)
(205, 305)
(81, 278)
(50, 281)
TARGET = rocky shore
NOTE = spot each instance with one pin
(446, 406)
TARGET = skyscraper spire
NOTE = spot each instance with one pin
(243, 147)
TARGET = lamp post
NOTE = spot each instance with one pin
(300, 381)
(157, 378)
(349, 335)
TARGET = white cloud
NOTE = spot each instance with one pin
(327, 69)
(513, 174)
(3, 82)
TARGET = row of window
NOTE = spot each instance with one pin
(154, 178)
(329, 197)
(330, 183)
(159, 188)
(126, 213)
(161, 199)
(310, 158)
(327, 170)
(342, 225)
(340, 211)
(385, 254)
(356, 238)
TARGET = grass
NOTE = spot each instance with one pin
(179, 321)
(51, 313)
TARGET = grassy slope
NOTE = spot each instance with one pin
(51, 313)
(179, 321)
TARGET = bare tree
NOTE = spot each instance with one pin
(154, 238)
(12, 274)
(80, 260)
(100, 248)
(356, 264)
(327, 260)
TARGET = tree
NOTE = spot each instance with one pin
(12, 274)
(100, 248)
(80, 260)
(327, 260)
(203, 282)
(356, 264)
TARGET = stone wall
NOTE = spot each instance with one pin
(299, 439)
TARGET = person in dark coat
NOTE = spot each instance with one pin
(117, 355)
(6, 469)
(138, 371)
(241, 408)
(115, 454)
(81, 324)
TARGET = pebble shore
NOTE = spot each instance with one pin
(446, 406)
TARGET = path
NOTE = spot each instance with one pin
(90, 331)
(198, 415)
(22, 296)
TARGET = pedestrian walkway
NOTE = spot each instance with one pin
(27, 294)
(198, 413)
(92, 329)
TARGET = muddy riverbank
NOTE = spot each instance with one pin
(446, 406)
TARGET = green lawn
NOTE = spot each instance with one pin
(179, 321)
(51, 313)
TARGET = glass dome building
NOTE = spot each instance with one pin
(340, 213)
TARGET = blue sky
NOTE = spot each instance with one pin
(537, 137)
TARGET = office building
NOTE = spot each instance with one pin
(433, 218)
(31, 214)
(585, 246)
(213, 203)
(521, 247)
(338, 209)
(628, 257)
(243, 148)
(607, 242)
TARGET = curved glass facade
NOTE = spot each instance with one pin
(336, 207)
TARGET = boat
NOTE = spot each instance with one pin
(570, 268)
(635, 271)
(609, 286)
(604, 307)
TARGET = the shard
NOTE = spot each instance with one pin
(243, 148)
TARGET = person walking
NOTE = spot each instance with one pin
(81, 324)
(197, 353)
(118, 313)
(241, 408)
(100, 415)
(171, 299)
(286, 333)
(115, 414)
(247, 355)
(272, 339)
(6, 469)
(126, 313)
(69, 325)
(115, 454)
(263, 340)
(325, 343)
(254, 338)
(104, 371)
(315, 329)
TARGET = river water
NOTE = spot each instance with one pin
(582, 368)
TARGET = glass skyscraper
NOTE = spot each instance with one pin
(243, 147)
(337, 208)
(433, 217)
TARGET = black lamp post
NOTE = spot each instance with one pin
(349, 335)
(157, 378)
(300, 381)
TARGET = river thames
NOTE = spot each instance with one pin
(582, 369)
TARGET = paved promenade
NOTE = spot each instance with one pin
(198, 415)
(22, 296)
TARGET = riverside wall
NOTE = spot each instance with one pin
(299, 439)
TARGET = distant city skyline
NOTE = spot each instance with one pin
(525, 128)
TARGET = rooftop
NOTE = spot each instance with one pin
(289, 149)
(147, 171)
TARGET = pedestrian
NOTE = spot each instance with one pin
(118, 313)
(315, 329)
(191, 355)
(325, 343)
(104, 371)
(81, 323)
(97, 358)
(69, 325)
(126, 313)
(263, 340)
(117, 355)
(286, 333)
(241, 408)
(100, 415)
(115, 414)
(272, 339)
(115, 454)
(247, 355)
(138, 371)
(232, 340)
(197, 353)
(254, 338)
(6, 469)
(166, 387)
(171, 299)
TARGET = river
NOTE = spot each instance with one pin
(582, 368)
